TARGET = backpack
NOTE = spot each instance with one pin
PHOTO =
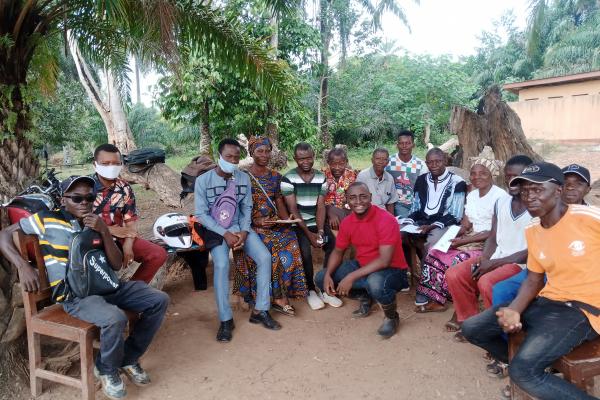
(196, 167)
(223, 209)
(144, 159)
(88, 270)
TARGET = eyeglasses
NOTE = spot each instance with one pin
(77, 198)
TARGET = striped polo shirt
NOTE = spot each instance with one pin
(55, 231)
(307, 193)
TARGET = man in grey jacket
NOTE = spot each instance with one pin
(238, 235)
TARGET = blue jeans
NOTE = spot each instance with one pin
(257, 251)
(381, 285)
(106, 312)
(553, 330)
(401, 210)
(505, 291)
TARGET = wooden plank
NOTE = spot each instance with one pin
(62, 379)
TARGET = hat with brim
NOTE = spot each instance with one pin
(540, 172)
(67, 183)
(579, 170)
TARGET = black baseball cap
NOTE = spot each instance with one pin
(583, 172)
(540, 172)
(66, 184)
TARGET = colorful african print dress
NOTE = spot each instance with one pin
(287, 276)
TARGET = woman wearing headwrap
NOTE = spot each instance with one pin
(287, 277)
(432, 291)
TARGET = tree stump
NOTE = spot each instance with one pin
(494, 124)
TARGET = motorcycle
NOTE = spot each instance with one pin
(35, 198)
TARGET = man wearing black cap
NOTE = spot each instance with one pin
(55, 230)
(576, 187)
(577, 184)
(564, 244)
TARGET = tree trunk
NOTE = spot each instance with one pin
(278, 157)
(159, 178)
(205, 137)
(427, 137)
(323, 116)
(496, 125)
(138, 94)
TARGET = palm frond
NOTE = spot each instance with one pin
(535, 21)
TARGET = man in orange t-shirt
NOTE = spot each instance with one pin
(563, 243)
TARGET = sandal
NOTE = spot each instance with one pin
(497, 369)
(459, 338)
(432, 306)
(506, 392)
(285, 309)
(452, 326)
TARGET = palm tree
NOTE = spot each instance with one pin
(106, 33)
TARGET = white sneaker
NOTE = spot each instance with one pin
(331, 300)
(314, 301)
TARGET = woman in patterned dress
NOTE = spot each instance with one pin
(432, 292)
(287, 277)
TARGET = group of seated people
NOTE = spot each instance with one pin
(527, 251)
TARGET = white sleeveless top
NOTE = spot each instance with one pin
(510, 229)
(480, 210)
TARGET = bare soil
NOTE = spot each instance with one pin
(321, 354)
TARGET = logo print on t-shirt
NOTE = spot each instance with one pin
(577, 248)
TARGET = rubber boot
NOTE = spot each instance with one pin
(390, 324)
(364, 307)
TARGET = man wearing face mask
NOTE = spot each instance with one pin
(115, 203)
(223, 200)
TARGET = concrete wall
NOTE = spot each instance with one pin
(561, 112)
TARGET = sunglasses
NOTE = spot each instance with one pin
(77, 198)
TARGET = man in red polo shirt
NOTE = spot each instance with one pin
(379, 270)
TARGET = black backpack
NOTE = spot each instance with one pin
(143, 159)
(88, 271)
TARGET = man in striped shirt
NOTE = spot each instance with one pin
(55, 231)
(304, 189)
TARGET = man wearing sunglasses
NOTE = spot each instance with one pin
(55, 230)
(115, 204)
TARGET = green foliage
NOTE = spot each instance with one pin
(373, 96)
(65, 117)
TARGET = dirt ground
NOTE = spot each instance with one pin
(318, 354)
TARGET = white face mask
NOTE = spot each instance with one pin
(110, 172)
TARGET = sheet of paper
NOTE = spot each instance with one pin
(444, 243)
(411, 229)
(288, 221)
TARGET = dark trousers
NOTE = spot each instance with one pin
(381, 285)
(107, 313)
(197, 261)
(553, 330)
(306, 251)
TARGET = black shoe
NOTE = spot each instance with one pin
(263, 317)
(225, 332)
(364, 308)
(391, 322)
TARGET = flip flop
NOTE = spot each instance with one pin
(497, 369)
(452, 326)
(459, 338)
(431, 307)
(285, 309)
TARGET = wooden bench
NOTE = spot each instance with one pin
(578, 367)
(51, 320)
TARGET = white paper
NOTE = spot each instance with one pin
(444, 243)
(411, 228)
